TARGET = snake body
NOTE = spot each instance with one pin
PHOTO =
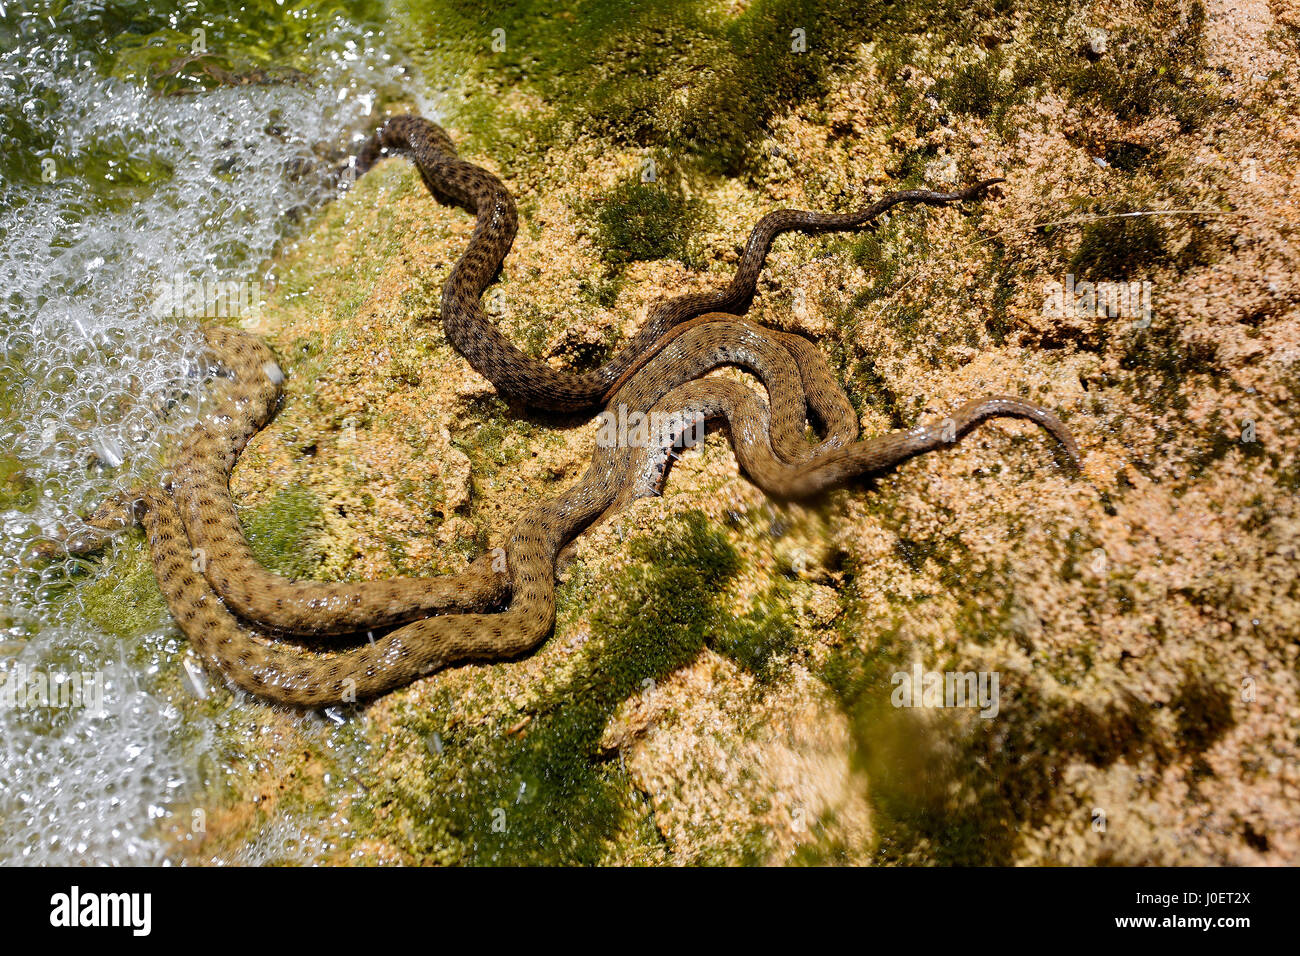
(519, 376)
(200, 485)
(215, 588)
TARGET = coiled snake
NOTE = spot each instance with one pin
(213, 584)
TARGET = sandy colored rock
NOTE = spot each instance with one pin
(1141, 615)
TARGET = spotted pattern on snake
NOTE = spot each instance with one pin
(304, 679)
(771, 446)
(659, 370)
(247, 396)
(517, 375)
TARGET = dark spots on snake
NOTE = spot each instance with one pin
(533, 548)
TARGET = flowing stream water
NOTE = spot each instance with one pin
(141, 153)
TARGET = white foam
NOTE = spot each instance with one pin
(87, 363)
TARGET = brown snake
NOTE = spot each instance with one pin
(211, 580)
(520, 376)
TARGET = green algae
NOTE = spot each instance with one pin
(127, 601)
(977, 88)
(242, 42)
(550, 793)
(498, 439)
(951, 789)
(563, 799)
(638, 220)
(760, 640)
(681, 76)
(284, 532)
(1149, 68)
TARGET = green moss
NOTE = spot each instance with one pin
(870, 251)
(638, 220)
(976, 88)
(1120, 247)
(283, 533)
(774, 54)
(500, 440)
(706, 85)
(1148, 69)
(683, 76)
(753, 847)
(548, 794)
(884, 252)
(949, 788)
(759, 640)
(127, 602)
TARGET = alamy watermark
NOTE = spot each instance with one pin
(183, 295)
(623, 429)
(939, 689)
(133, 911)
(1113, 300)
(23, 689)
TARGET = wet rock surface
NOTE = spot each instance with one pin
(722, 682)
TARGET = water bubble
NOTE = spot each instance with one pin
(93, 371)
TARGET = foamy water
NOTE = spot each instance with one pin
(145, 191)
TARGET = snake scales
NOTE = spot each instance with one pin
(213, 584)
